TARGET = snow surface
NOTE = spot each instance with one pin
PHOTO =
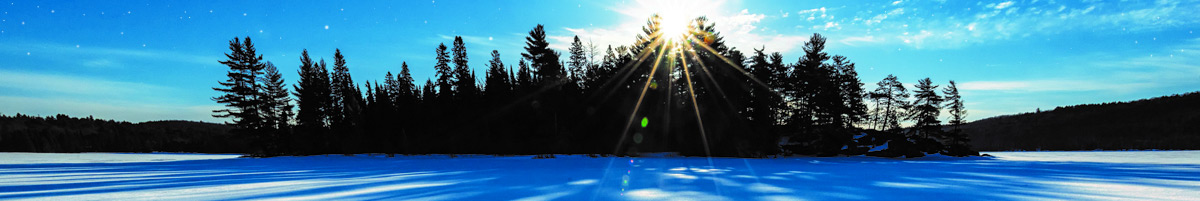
(1173, 175)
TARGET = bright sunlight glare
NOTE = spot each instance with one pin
(676, 15)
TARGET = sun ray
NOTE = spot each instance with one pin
(700, 123)
(638, 104)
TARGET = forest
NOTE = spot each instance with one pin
(1168, 122)
(689, 94)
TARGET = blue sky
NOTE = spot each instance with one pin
(153, 60)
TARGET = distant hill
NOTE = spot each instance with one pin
(61, 133)
(1168, 122)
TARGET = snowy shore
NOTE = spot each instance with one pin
(1131, 175)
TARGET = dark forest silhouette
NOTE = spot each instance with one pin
(694, 95)
(1168, 122)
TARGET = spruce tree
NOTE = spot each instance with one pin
(312, 93)
(406, 92)
(346, 98)
(524, 76)
(464, 83)
(445, 74)
(497, 83)
(578, 62)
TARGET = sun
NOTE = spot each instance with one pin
(675, 15)
(674, 27)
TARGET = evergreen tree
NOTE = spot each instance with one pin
(954, 105)
(241, 91)
(926, 108)
(277, 102)
(405, 91)
(347, 104)
(765, 101)
(853, 110)
(524, 76)
(445, 74)
(891, 99)
(578, 62)
(544, 61)
(464, 83)
(497, 83)
(346, 98)
(312, 93)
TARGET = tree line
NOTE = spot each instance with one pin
(1167, 122)
(690, 94)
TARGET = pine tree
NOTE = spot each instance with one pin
(891, 99)
(429, 94)
(464, 83)
(926, 107)
(497, 83)
(958, 144)
(347, 103)
(764, 100)
(277, 103)
(578, 62)
(312, 93)
(954, 105)
(346, 98)
(853, 110)
(543, 60)
(524, 76)
(405, 92)
(445, 74)
(241, 90)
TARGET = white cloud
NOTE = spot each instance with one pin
(1004, 21)
(50, 94)
(1113, 75)
(1001, 5)
(54, 49)
(42, 83)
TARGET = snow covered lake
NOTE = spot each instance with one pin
(1133, 175)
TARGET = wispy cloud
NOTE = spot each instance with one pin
(105, 55)
(117, 110)
(75, 85)
(932, 26)
(48, 94)
(1172, 65)
(1051, 85)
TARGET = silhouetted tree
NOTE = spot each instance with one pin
(346, 102)
(312, 94)
(277, 102)
(241, 90)
(464, 78)
(890, 98)
(926, 107)
(445, 75)
(578, 62)
(497, 83)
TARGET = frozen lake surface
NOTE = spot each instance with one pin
(1132, 175)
